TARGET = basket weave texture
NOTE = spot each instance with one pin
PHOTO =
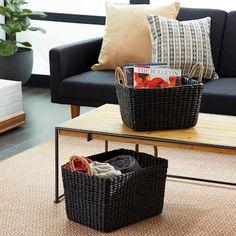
(106, 204)
(160, 108)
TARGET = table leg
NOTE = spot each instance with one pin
(56, 167)
(57, 197)
(155, 151)
(106, 145)
(154, 147)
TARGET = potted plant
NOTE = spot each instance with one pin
(16, 58)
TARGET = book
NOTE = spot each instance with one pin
(151, 76)
(129, 70)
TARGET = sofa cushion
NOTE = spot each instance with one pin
(219, 96)
(182, 44)
(94, 87)
(228, 53)
(218, 18)
(127, 38)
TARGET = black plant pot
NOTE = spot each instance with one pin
(18, 66)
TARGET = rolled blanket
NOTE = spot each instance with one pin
(103, 169)
(124, 163)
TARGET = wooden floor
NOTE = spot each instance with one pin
(41, 118)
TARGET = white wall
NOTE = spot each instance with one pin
(2, 35)
(85, 7)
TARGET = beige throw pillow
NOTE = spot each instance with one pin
(127, 37)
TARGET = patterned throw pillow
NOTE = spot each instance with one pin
(181, 44)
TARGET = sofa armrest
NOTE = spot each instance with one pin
(71, 59)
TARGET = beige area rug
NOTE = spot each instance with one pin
(190, 208)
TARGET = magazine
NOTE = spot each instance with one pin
(152, 76)
(129, 70)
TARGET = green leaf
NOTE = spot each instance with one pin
(5, 11)
(24, 23)
(7, 29)
(28, 11)
(16, 25)
(8, 48)
(16, 2)
(24, 12)
(26, 44)
(21, 2)
(37, 29)
(13, 7)
(38, 13)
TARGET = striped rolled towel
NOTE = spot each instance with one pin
(124, 163)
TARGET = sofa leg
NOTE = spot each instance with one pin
(75, 110)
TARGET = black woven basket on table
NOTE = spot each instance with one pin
(160, 108)
(106, 204)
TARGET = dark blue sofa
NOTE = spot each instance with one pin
(73, 82)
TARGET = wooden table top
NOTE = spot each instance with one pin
(215, 133)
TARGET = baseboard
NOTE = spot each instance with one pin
(36, 80)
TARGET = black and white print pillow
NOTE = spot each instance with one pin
(181, 44)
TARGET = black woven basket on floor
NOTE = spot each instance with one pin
(106, 204)
(159, 108)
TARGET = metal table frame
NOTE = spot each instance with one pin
(131, 139)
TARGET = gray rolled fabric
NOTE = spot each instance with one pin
(124, 163)
(104, 169)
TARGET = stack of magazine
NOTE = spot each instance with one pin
(154, 75)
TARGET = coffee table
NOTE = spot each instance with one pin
(213, 133)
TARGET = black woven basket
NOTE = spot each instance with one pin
(159, 108)
(106, 204)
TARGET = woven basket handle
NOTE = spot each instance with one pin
(120, 77)
(199, 66)
(83, 160)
